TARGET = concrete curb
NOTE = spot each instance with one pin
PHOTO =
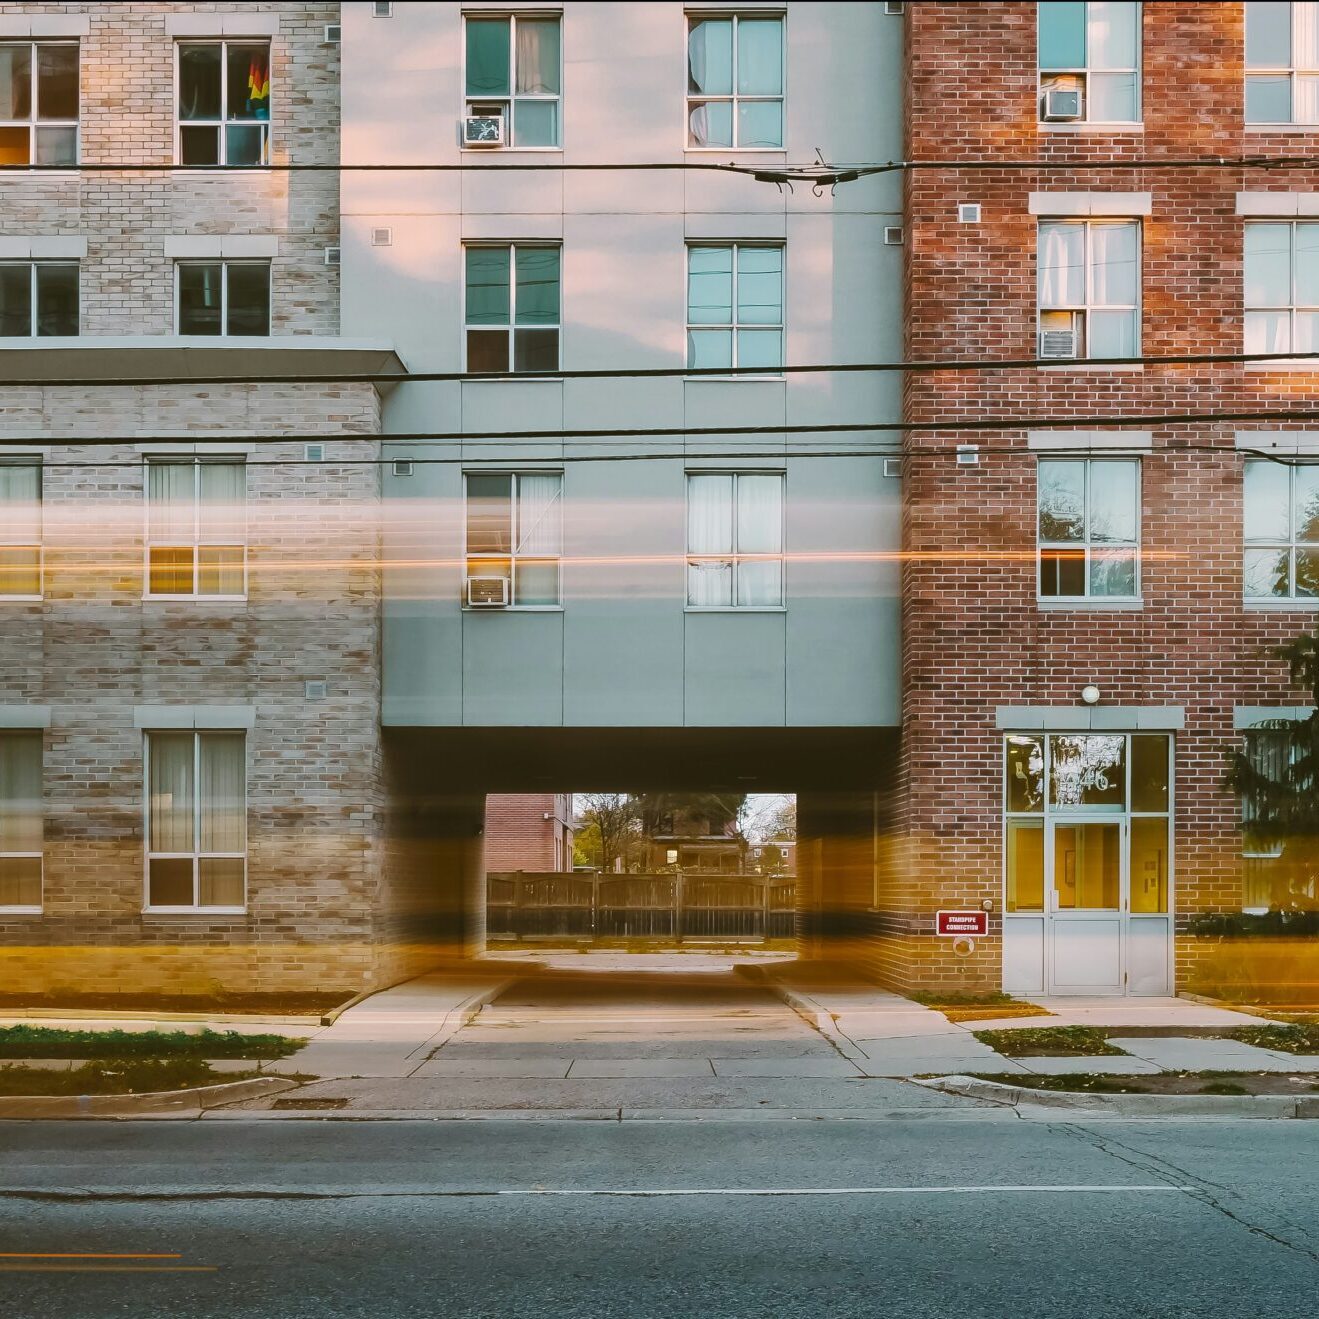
(1127, 1106)
(993, 1114)
(156, 1104)
(819, 1019)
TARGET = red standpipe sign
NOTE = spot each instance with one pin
(961, 924)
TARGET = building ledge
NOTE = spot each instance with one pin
(162, 358)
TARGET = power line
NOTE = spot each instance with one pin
(920, 367)
(610, 435)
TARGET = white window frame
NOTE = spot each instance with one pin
(1292, 307)
(1088, 545)
(10, 460)
(1289, 543)
(1082, 74)
(1290, 72)
(220, 124)
(515, 476)
(734, 325)
(24, 908)
(196, 855)
(32, 267)
(224, 263)
(512, 326)
(691, 16)
(508, 103)
(32, 123)
(1084, 309)
(736, 557)
(196, 462)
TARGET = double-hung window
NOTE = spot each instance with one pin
(20, 528)
(1089, 61)
(38, 103)
(196, 527)
(1282, 287)
(512, 302)
(38, 299)
(229, 298)
(224, 103)
(735, 81)
(1281, 531)
(1089, 528)
(734, 540)
(514, 536)
(1282, 62)
(20, 820)
(735, 305)
(1279, 868)
(514, 69)
(1089, 283)
(196, 820)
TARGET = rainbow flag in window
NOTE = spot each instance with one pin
(258, 89)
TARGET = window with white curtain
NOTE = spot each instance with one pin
(1089, 528)
(735, 305)
(38, 102)
(1281, 528)
(515, 531)
(1089, 288)
(1282, 62)
(196, 527)
(1091, 48)
(734, 540)
(20, 820)
(735, 81)
(20, 528)
(196, 820)
(514, 64)
(1282, 287)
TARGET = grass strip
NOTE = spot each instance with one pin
(1050, 1042)
(108, 1076)
(50, 1042)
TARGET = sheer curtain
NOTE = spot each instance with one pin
(538, 57)
(710, 540)
(20, 504)
(1305, 55)
(20, 792)
(170, 799)
(222, 512)
(1062, 265)
(222, 792)
(539, 522)
(169, 503)
(760, 532)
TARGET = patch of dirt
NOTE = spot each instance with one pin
(327, 1101)
(1167, 1083)
(992, 1013)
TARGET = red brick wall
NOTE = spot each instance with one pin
(519, 837)
(974, 636)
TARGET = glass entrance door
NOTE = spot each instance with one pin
(1087, 889)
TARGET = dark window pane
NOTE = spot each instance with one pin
(487, 57)
(171, 883)
(199, 298)
(170, 570)
(57, 82)
(538, 286)
(199, 146)
(57, 146)
(1062, 572)
(245, 144)
(15, 146)
(536, 350)
(249, 82)
(20, 881)
(249, 300)
(487, 350)
(489, 514)
(57, 299)
(199, 81)
(1149, 773)
(220, 881)
(488, 285)
(15, 81)
(15, 301)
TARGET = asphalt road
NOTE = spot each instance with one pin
(949, 1215)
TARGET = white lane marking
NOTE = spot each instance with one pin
(845, 1190)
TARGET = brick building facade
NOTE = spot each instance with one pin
(528, 831)
(993, 649)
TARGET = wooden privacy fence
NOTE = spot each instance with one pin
(663, 906)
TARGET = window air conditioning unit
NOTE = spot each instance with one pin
(1058, 343)
(487, 592)
(1062, 103)
(483, 130)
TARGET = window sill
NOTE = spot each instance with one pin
(1092, 364)
(204, 913)
(727, 380)
(21, 599)
(1085, 602)
(735, 609)
(1279, 604)
(214, 171)
(195, 599)
(1095, 126)
(512, 609)
(1281, 128)
(522, 377)
(1284, 364)
(69, 173)
(737, 151)
(8, 913)
(510, 151)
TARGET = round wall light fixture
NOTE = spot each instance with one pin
(1090, 694)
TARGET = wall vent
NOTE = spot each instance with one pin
(314, 453)
(332, 255)
(968, 455)
(315, 689)
(892, 467)
(333, 33)
(968, 212)
(382, 237)
(403, 467)
(382, 9)
(893, 235)
(893, 6)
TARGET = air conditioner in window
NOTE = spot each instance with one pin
(1058, 343)
(487, 592)
(483, 130)
(1062, 103)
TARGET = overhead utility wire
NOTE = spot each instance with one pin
(650, 373)
(614, 434)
